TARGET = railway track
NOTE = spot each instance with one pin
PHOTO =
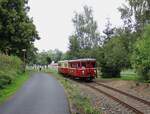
(137, 105)
(127, 94)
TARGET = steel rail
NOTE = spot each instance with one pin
(124, 93)
(116, 99)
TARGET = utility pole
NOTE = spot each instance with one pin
(24, 57)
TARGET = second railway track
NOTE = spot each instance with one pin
(125, 93)
(137, 105)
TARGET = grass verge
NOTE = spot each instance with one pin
(12, 88)
(129, 75)
(79, 103)
(125, 75)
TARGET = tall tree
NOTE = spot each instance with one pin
(141, 55)
(86, 29)
(17, 30)
(108, 31)
(85, 37)
(74, 46)
(138, 10)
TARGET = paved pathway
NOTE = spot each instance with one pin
(40, 95)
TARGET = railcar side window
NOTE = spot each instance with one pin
(65, 64)
(84, 65)
(94, 65)
(59, 64)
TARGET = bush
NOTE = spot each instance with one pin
(115, 58)
(141, 55)
(5, 79)
(110, 72)
(10, 66)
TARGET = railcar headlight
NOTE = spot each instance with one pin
(82, 72)
(95, 71)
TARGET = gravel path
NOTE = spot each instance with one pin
(40, 95)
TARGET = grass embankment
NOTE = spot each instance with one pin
(11, 75)
(10, 89)
(78, 102)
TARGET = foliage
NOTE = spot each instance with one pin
(10, 66)
(111, 51)
(49, 60)
(46, 57)
(13, 87)
(129, 74)
(108, 31)
(141, 55)
(137, 10)
(30, 55)
(56, 55)
(17, 30)
(86, 35)
(74, 46)
(42, 58)
(115, 58)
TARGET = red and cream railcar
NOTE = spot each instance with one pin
(79, 68)
(63, 67)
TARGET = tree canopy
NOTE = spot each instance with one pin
(119, 47)
(85, 37)
(17, 30)
(141, 55)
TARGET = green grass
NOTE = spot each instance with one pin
(12, 88)
(129, 75)
(76, 98)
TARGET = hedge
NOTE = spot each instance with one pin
(10, 67)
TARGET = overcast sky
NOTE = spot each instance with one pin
(53, 19)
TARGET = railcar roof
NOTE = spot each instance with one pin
(77, 60)
(88, 59)
(63, 61)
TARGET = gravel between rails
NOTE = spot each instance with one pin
(147, 102)
(109, 94)
(103, 102)
(142, 90)
(128, 100)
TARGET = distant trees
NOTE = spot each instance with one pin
(56, 55)
(85, 37)
(108, 31)
(17, 30)
(41, 58)
(74, 46)
(86, 29)
(46, 57)
(119, 48)
(128, 46)
(109, 50)
(138, 10)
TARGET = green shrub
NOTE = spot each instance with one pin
(141, 55)
(5, 79)
(10, 66)
(115, 58)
